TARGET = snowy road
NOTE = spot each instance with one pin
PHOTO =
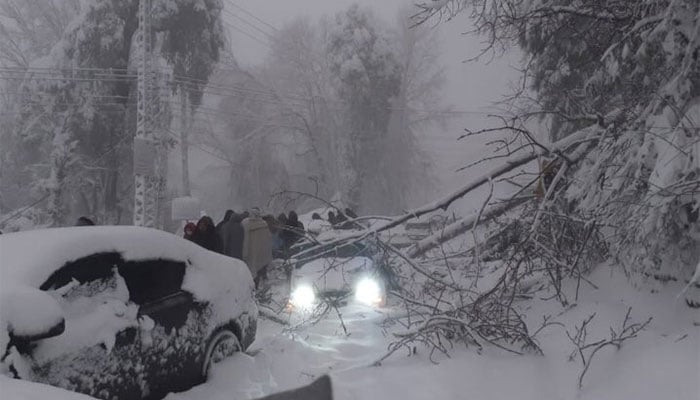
(281, 360)
(662, 363)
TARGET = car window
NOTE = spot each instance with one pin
(91, 269)
(150, 280)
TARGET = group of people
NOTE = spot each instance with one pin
(255, 238)
(248, 236)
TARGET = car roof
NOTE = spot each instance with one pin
(30, 257)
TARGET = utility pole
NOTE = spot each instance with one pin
(146, 182)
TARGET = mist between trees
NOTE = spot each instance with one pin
(333, 110)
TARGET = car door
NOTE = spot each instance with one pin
(173, 325)
(96, 354)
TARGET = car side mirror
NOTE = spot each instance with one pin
(31, 314)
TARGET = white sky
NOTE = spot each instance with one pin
(471, 86)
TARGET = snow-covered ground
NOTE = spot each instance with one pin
(662, 363)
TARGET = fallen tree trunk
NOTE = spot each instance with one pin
(457, 228)
(558, 148)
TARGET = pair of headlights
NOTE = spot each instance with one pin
(367, 291)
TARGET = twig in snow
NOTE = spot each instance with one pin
(586, 351)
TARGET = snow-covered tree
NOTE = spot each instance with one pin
(28, 31)
(86, 82)
(299, 70)
(369, 78)
(405, 172)
(193, 39)
(631, 68)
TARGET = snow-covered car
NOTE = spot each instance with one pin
(336, 279)
(119, 312)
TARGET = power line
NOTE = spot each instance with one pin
(82, 69)
(82, 95)
(241, 94)
(245, 21)
(68, 79)
(250, 35)
(253, 15)
(230, 114)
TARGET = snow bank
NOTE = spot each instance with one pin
(29, 312)
(17, 389)
(662, 363)
(26, 312)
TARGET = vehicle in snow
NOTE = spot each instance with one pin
(335, 280)
(119, 312)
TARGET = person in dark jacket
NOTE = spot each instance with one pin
(332, 218)
(206, 236)
(293, 220)
(342, 222)
(84, 221)
(277, 242)
(227, 216)
(340, 218)
(294, 229)
(350, 213)
(189, 230)
(232, 236)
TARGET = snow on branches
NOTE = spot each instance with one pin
(634, 66)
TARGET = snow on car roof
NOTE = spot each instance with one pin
(29, 258)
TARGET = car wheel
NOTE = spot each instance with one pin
(222, 344)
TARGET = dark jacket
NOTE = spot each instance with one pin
(206, 236)
(227, 217)
(293, 230)
(232, 237)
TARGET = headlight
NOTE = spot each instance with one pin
(369, 292)
(303, 297)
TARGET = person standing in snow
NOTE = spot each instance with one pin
(294, 229)
(190, 229)
(282, 233)
(232, 236)
(257, 245)
(227, 216)
(206, 236)
(276, 232)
